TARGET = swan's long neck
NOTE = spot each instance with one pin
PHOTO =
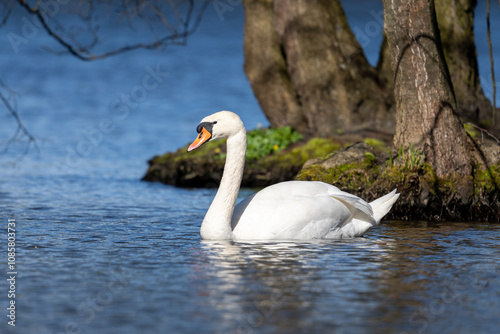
(217, 222)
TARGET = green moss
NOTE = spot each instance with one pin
(317, 147)
(392, 174)
(314, 173)
(376, 144)
(397, 176)
(429, 175)
(355, 176)
(486, 181)
(470, 130)
(447, 185)
(297, 156)
(369, 158)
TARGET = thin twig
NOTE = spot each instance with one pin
(20, 126)
(485, 131)
(492, 66)
(7, 13)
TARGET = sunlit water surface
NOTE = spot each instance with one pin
(98, 251)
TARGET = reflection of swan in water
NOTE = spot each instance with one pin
(298, 210)
(282, 284)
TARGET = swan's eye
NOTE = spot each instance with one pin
(214, 122)
(205, 125)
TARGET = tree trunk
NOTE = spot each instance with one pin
(266, 69)
(307, 69)
(386, 75)
(456, 26)
(425, 101)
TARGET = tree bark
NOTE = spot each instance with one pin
(456, 26)
(386, 75)
(425, 101)
(307, 68)
(266, 69)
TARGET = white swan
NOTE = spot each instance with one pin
(287, 210)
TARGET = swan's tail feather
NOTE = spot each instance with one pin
(381, 206)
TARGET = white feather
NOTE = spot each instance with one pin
(288, 210)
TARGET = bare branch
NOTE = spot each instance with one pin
(484, 131)
(9, 6)
(84, 52)
(147, 13)
(21, 129)
(161, 17)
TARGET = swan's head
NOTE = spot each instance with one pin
(222, 124)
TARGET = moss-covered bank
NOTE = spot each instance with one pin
(423, 194)
(367, 169)
(203, 167)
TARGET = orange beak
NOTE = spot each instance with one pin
(202, 138)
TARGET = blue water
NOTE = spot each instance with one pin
(98, 251)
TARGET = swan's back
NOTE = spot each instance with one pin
(304, 210)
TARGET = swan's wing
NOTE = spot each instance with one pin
(295, 217)
(297, 209)
(360, 208)
(356, 205)
(239, 209)
(382, 205)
